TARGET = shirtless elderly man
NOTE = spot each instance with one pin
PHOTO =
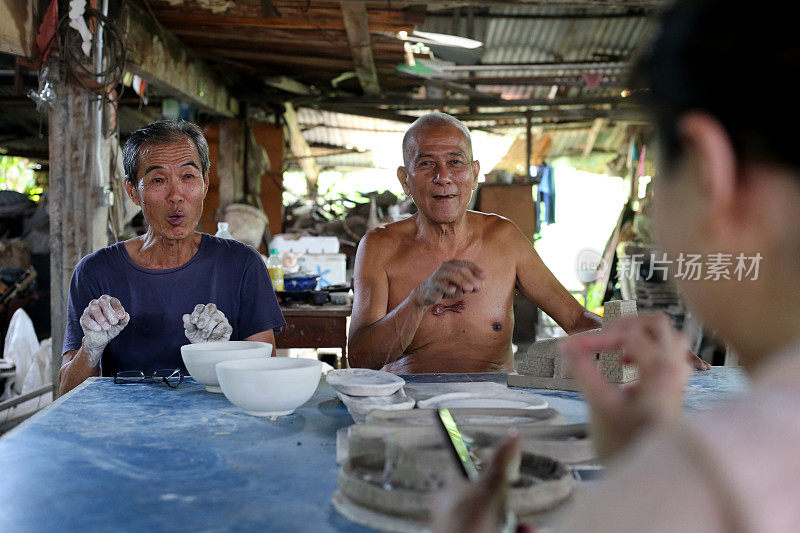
(434, 292)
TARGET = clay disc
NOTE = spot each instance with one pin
(364, 382)
(476, 400)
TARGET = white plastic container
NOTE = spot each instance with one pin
(304, 245)
(331, 268)
(222, 231)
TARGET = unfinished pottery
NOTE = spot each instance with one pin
(364, 382)
(542, 485)
(570, 444)
(360, 406)
(455, 400)
(470, 417)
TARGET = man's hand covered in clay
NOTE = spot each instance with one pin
(206, 324)
(452, 279)
(102, 320)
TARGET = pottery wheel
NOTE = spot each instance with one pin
(364, 382)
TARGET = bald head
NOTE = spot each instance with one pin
(425, 122)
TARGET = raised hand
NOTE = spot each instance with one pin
(206, 324)
(101, 321)
(620, 413)
(452, 279)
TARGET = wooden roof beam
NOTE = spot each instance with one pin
(356, 23)
(488, 100)
(160, 58)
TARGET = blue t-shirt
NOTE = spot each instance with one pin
(227, 273)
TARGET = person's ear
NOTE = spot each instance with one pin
(205, 185)
(712, 160)
(133, 193)
(402, 176)
(476, 171)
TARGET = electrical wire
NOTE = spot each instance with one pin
(114, 54)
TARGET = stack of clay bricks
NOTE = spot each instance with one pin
(542, 359)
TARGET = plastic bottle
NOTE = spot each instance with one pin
(275, 268)
(222, 231)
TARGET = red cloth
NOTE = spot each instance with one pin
(47, 29)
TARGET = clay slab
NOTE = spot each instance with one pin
(455, 400)
(469, 417)
(364, 382)
(361, 406)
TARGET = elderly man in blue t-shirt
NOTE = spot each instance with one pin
(132, 305)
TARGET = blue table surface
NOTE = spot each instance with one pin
(136, 457)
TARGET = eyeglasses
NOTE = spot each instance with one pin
(171, 377)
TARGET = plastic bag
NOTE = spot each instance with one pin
(21, 345)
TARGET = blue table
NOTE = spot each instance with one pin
(136, 457)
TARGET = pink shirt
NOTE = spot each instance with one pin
(733, 469)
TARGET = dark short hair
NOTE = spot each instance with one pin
(709, 56)
(432, 120)
(162, 132)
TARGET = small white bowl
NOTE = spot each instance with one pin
(272, 387)
(201, 358)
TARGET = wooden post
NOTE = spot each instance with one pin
(78, 210)
(357, 25)
(591, 138)
(528, 144)
(300, 149)
(230, 168)
(270, 136)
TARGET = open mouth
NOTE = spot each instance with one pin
(176, 218)
(444, 196)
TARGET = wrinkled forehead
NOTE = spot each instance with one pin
(175, 151)
(439, 138)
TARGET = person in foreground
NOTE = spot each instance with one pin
(132, 305)
(434, 293)
(729, 183)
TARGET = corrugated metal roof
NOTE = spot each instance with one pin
(551, 40)
(519, 38)
(370, 135)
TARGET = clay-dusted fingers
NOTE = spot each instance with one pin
(96, 312)
(198, 309)
(469, 265)
(222, 330)
(212, 323)
(116, 305)
(89, 323)
(206, 316)
(465, 280)
(187, 323)
(109, 313)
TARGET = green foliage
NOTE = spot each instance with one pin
(19, 174)
(594, 298)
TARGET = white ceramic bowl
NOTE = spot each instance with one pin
(201, 358)
(275, 386)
